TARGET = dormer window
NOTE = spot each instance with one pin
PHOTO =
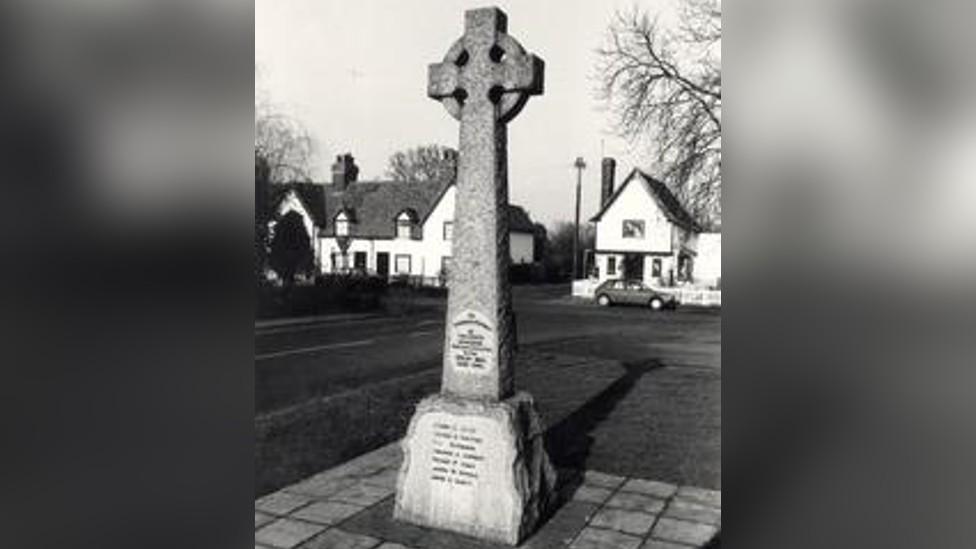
(342, 224)
(405, 223)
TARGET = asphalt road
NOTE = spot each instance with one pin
(294, 363)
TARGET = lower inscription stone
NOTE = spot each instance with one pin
(475, 467)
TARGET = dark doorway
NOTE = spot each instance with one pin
(633, 266)
(359, 261)
(383, 264)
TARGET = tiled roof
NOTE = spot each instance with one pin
(661, 194)
(519, 221)
(374, 205)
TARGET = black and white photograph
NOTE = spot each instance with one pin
(489, 278)
(493, 286)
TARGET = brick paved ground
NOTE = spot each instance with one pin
(351, 507)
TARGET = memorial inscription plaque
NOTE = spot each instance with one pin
(472, 344)
(460, 468)
(457, 453)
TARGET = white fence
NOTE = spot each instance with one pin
(705, 298)
(685, 296)
(584, 287)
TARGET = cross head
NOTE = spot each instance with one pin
(486, 71)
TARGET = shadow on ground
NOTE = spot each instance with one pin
(569, 442)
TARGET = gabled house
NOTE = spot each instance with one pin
(389, 228)
(643, 232)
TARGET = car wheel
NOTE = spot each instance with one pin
(603, 300)
(656, 303)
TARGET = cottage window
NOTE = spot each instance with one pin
(633, 228)
(403, 229)
(656, 267)
(448, 230)
(404, 225)
(402, 264)
(342, 224)
(611, 266)
(359, 261)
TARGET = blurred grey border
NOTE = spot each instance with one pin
(850, 255)
(127, 135)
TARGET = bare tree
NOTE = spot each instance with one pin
(280, 142)
(284, 145)
(424, 163)
(665, 83)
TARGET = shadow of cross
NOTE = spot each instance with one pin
(483, 81)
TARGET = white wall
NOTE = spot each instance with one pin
(708, 265)
(634, 203)
(435, 247)
(667, 263)
(426, 255)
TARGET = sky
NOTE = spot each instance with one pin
(354, 74)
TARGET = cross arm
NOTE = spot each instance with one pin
(442, 79)
(524, 74)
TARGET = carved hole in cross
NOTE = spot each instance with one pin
(462, 59)
(496, 53)
(495, 94)
(460, 95)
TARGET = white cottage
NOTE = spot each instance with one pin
(389, 228)
(643, 232)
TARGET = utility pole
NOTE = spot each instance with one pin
(579, 165)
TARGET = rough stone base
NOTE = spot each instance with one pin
(475, 467)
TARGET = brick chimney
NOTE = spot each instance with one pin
(344, 171)
(608, 167)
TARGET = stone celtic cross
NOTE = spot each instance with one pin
(474, 460)
(484, 81)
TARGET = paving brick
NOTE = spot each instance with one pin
(649, 487)
(562, 527)
(636, 502)
(280, 503)
(591, 494)
(621, 520)
(321, 486)
(693, 512)
(327, 512)
(336, 538)
(377, 521)
(682, 531)
(260, 519)
(363, 494)
(285, 533)
(597, 538)
(659, 544)
(602, 480)
(385, 478)
(700, 495)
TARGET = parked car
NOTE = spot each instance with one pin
(632, 292)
